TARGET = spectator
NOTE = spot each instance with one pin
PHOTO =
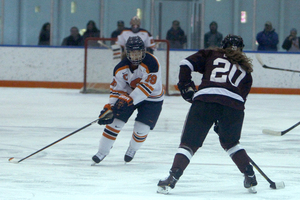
(135, 30)
(91, 30)
(213, 38)
(74, 39)
(267, 39)
(292, 42)
(176, 36)
(118, 31)
(44, 37)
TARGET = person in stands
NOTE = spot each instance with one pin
(74, 39)
(176, 36)
(267, 39)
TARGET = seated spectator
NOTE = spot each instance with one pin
(118, 31)
(292, 42)
(44, 37)
(267, 39)
(74, 39)
(213, 38)
(176, 36)
(91, 30)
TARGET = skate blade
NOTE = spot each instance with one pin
(252, 190)
(163, 190)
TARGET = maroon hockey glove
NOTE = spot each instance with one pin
(187, 90)
(106, 115)
(123, 104)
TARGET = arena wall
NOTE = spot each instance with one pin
(64, 67)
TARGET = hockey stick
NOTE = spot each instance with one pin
(268, 67)
(116, 49)
(15, 161)
(273, 185)
(279, 133)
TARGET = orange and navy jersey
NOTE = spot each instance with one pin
(144, 83)
(143, 34)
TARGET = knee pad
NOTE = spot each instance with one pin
(117, 124)
(140, 131)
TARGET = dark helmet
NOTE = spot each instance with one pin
(233, 41)
(135, 50)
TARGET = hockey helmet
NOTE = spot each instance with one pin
(233, 41)
(135, 50)
(135, 21)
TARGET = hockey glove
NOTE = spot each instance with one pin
(187, 90)
(106, 115)
(123, 104)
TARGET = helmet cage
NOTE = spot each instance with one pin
(233, 41)
(135, 50)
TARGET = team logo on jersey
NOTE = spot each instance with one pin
(135, 82)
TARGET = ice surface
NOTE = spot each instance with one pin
(34, 118)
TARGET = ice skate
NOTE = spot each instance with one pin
(250, 179)
(164, 186)
(129, 154)
(97, 158)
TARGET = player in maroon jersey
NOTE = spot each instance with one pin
(220, 97)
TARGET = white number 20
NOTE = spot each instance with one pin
(225, 69)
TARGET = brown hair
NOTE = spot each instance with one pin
(238, 57)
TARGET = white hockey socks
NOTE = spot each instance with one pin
(139, 135)
(109, 136)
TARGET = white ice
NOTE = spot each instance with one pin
(34, 118)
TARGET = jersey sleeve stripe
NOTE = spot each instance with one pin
(157, 96)
(147, 86)
(143, 90)
(186, 62)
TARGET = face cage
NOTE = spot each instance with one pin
(136, 56)
(234, 44)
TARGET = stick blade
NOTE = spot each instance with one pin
(271, 132)
(277, 185)
(259, 59)
(13, 160)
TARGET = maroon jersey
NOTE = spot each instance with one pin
(222, 82)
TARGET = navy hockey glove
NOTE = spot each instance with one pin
(187, 90)
(106, 115)
(123, 104)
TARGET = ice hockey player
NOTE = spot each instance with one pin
(135, 30)
(220, 97)
(136, 85)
